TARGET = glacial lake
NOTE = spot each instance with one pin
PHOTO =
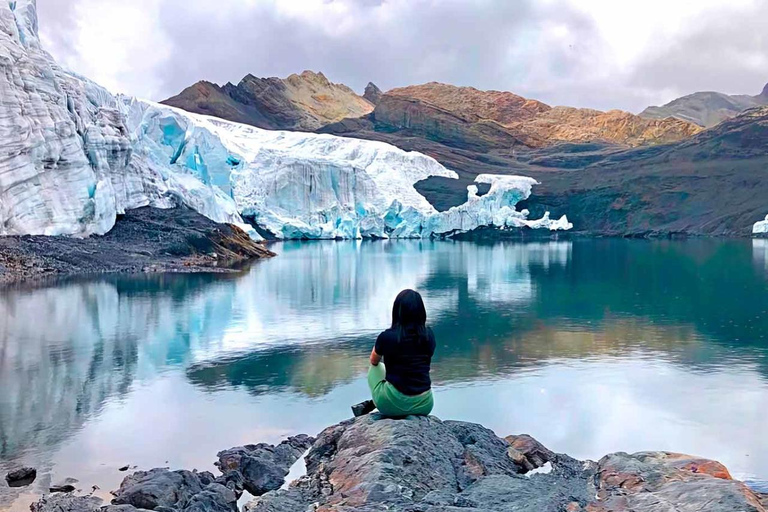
(591, 346)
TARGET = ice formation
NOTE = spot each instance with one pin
(760, 227)
(74, 157)
(68, 165)
(306, 186)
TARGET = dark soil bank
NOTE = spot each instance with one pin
(143, 240)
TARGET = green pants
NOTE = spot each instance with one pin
(391, 402)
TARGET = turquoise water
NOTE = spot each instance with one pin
(592, 346)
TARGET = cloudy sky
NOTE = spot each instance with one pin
(589, 53)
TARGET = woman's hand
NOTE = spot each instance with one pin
(375, 358)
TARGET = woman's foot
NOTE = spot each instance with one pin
(363, 408)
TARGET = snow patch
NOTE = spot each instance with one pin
(543, 470)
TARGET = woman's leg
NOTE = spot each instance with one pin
(376, 375)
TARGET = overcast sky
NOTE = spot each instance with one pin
(589, 53)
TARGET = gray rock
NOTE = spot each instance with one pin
(421, 464)
(158, 487)
(214, 497)
(664, 482)
(372, 93)
(262, 467)
(62, 488)
(21, 477)
(122, 508)
(67, 503)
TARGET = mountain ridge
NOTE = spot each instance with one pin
(302, 102)
(707, 108)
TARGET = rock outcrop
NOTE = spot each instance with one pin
(372, 93)
(142, 240)
(304, 102)
(428, 465)
(260, 468)
(422, 464)
(707, 108)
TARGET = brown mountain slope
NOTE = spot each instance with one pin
(538, 124)
(302, 102)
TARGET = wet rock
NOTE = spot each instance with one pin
(21, 477)
(62, 488)
(262, 467)
(163, 490)
(124, 468)
(67, 503)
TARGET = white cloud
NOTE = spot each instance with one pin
(596, 53)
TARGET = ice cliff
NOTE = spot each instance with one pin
(302, 185)
(760, 227)
(73, 157)
(67, 163)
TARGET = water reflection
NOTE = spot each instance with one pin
(592, 346)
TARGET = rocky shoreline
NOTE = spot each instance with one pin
(423, 464)
(143, 240)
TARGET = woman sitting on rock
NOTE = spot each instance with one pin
(403, 387)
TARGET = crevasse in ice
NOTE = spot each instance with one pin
(302, 185)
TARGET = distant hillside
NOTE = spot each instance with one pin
(707, 108)
(302, 102)
(468, 118)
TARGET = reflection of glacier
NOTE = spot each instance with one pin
(99, 338)
(65, 351)
(311, 286)
(760, 253)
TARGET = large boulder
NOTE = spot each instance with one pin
(662, 481)
(67, 503)
(162, 490)
(261, 467)
(21, 477)
(422, 464)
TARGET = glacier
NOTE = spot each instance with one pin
(68, 165)
(296, 185)
(74, 156)
(760, 227)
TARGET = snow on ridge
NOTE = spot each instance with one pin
(302, 185)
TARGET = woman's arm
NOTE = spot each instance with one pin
(375, 358)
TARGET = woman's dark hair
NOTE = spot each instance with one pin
(409, 316)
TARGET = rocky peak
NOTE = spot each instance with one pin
(372, 93)
(307, 75)
(305, 102)
(764, 94)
